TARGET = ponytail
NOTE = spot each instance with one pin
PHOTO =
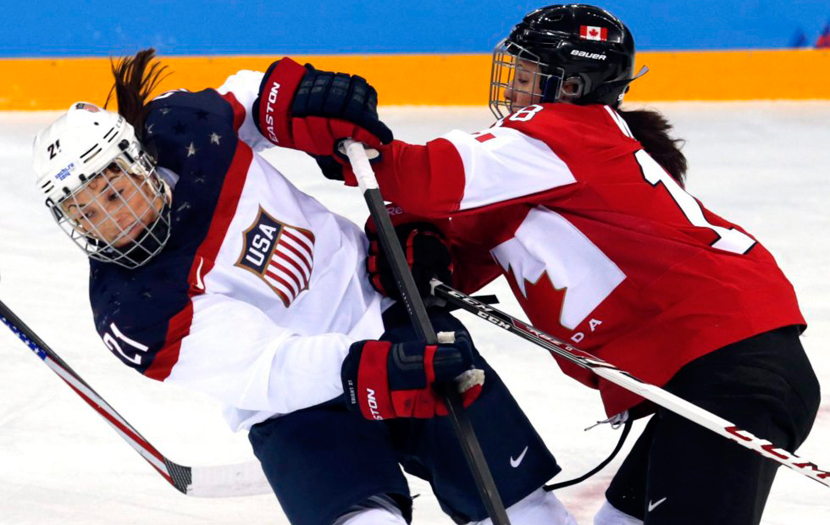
(135, 78)
(651, 129)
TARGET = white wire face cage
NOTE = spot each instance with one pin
(517, 80)
(120, 214)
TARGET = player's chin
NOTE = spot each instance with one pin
(129, 235)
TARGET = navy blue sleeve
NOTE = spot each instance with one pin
(139, 312)
(192, 133)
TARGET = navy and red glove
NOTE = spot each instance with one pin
(425, 247)
(385, 380)
(310, 110)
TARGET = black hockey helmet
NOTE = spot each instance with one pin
(576, 52)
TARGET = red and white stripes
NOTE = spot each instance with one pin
(289, 270)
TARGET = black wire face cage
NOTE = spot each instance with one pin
(518, 79)
(120, 214)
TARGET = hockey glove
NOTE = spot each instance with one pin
(426, 253)
(384, 380)
(332, 169)
(310, 110)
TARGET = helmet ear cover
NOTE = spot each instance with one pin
(603, 72)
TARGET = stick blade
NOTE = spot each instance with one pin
(228, 481)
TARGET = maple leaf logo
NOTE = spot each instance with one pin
(541, 297)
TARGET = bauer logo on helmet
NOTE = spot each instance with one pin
(585, 54)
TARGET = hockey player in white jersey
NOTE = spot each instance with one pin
(210, 270)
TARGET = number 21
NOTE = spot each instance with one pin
(135, 346)
(54, 149)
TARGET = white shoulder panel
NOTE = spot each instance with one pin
(502, 164)
(245, 87)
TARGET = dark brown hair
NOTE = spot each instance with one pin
(652, 130)
(135, 78)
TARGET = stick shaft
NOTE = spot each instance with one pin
(218, 481)
(625, 380)
(420, 321)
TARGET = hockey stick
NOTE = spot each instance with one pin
(242, 479)
(622, 378)
(420, 320)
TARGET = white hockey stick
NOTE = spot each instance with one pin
(627, 381)
(242, 479)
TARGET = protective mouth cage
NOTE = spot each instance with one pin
(119, 214)
(517, 80)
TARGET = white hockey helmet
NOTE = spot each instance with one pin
(102, 187)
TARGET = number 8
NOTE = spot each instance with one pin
(525, 114)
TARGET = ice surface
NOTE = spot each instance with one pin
(765, 166)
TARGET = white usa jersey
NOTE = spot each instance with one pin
(260, 290)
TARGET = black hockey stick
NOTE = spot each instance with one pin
(420, 320)
(625, 380)
(243, 479)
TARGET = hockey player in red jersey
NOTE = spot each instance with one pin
(581, 206)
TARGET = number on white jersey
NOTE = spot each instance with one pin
(730, 239)
(113, 345)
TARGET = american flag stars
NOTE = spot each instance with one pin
(215, 138)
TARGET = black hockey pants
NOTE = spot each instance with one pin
(680, 473)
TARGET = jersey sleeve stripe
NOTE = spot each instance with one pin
(238, 110)
(620, 122)
(168, 356)
(203, 261)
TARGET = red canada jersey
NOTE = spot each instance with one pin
(600, 245)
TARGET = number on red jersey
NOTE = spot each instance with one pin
(729, 239)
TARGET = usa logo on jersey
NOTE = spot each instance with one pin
(280, 254)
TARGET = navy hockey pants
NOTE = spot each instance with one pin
(324, 460)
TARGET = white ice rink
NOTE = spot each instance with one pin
(765, 166)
